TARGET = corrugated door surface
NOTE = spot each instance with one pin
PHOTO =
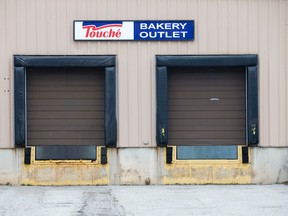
(206, 106)
(65, 106)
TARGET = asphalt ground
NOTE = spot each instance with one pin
(254, 200)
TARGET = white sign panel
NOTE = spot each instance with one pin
(134, 30)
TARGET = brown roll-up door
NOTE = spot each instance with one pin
(65, 106)
(206, 106)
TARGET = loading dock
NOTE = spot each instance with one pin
(63, 103)
(206, 100)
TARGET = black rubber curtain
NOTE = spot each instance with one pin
(22, 62)
(250, 62)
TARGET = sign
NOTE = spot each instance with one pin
(173, 30)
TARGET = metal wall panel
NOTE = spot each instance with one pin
(221, 27)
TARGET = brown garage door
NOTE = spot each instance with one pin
(65, 106)
(206, 106)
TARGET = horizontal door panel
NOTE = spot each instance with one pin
(193, 134)
(65, 135)
(83, 108)
(67, 128)
(65, 95)
(40, 142)
(206, 115)
(206, 102)
(206, 94)
(65, 122)
(65, 115)
(61, 102)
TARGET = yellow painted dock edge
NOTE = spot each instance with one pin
(207, 171)
(65, 172)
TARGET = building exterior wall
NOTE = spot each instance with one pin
(31, 27)
(221, 27)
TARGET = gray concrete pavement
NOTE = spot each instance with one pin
(270, 200)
